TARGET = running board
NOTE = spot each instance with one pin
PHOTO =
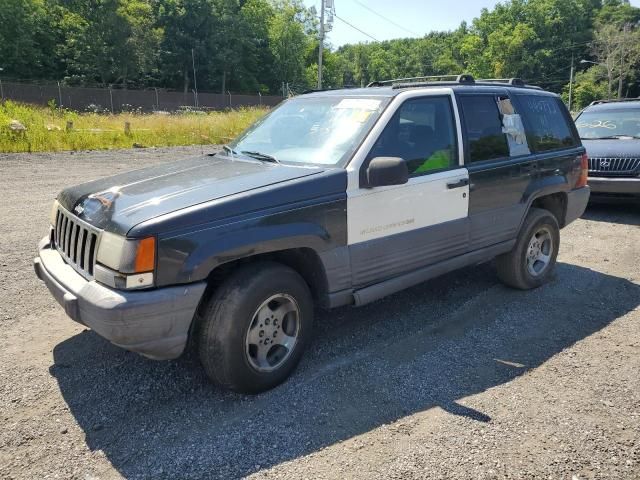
(393, 285)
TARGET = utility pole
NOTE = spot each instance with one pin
(623, 44)
(321, 46)
(195, 82)
(571, 84)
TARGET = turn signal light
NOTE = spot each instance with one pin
(145, 255)
(584, 171)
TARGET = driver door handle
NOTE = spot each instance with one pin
(460, 183)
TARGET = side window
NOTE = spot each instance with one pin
(547, 123)
(422, 132)
(483, 125)
(512, 127)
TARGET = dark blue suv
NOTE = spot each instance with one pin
(335, 198)
(610, 131)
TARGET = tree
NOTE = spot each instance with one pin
(289, 41)
(588, 86)
(617, 48)
(26, 39)
(187, 26)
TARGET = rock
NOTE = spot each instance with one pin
(16, 126)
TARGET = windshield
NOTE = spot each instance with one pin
(312, 130)
(609, 123)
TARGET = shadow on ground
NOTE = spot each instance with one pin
(623, 212)
(429, 346)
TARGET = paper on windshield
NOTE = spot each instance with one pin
(359, 104)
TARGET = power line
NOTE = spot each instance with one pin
(356, 28)
(385, 18)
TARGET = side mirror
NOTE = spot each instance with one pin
(384, 171)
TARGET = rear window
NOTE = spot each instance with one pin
(547, 123)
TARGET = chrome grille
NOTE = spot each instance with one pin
(613, 167)
(76, 241)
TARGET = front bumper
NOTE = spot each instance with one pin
(617, 185)
(577, 201)
(154, 323)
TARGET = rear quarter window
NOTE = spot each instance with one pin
(547, 123)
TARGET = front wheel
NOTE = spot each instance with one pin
(533, 258)
(255, 327)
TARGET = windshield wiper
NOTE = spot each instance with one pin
(229, 150)
(611, 137)
(260, 156)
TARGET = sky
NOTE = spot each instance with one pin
(402, 18)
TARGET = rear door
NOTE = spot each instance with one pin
(395, 229)
(500, 166)
(553, 138)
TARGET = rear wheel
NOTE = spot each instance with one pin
(255, 327)
(533, 258)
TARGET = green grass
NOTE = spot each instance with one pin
(46, 128)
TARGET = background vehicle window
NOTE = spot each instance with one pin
(609, 123)
(422, 132)
(548, 126)
(484, 128)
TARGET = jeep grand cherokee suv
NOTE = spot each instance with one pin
(610, 130)
(334, 198)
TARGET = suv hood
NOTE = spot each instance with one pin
(613, 148)
(120, 202)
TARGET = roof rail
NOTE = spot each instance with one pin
(449, 80)
(516, 82)
(408, 81)
(615, 100)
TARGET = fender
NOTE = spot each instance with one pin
(192, 256)
(541, 188)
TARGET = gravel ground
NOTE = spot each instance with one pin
(457, 378)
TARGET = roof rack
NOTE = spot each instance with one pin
(516, 82)
(449, 80)
(464, 78)
(615, 100)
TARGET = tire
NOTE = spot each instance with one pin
(524, 267)
(262, 302)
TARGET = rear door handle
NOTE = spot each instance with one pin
(460, 183)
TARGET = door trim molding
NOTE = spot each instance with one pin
(396, 284)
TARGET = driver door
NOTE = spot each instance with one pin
(400, 228)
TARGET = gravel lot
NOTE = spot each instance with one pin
(457, 378)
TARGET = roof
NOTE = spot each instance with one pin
(388, 91)
(628, 103)
(463, 82)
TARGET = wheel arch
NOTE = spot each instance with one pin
(304, 260)
(549, 194)
(555, 203)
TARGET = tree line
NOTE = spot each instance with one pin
(248, 46)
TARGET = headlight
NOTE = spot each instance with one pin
(130, 262)
(54, 213)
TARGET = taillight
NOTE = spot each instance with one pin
(584, 171)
